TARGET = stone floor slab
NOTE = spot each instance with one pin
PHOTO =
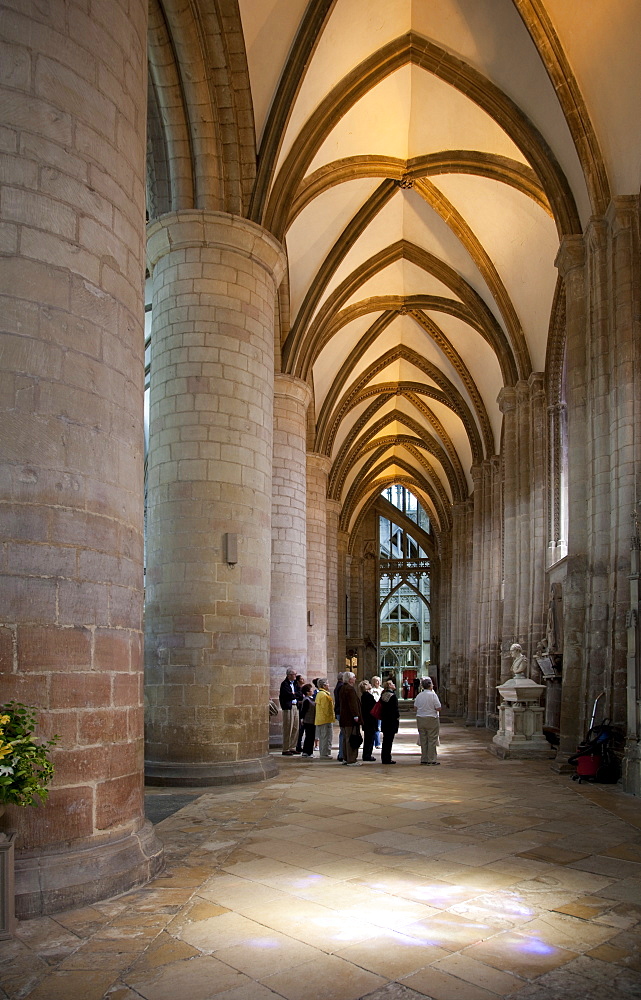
(380, 882)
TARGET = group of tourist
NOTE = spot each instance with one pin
(364, 714)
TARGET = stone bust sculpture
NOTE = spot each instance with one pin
(519, 663)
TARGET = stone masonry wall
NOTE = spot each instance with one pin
(72, 153)
(210, 474)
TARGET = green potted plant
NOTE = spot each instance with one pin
(25, 772)
(25, 767)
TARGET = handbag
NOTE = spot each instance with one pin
(375, 712)
(355, 738)
(273, 710)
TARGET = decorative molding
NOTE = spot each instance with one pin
(498, 168)
(539, 24)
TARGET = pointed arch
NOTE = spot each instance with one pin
(413, 48)
(440, 522)
(498, 168)
(211, 145)
(356, 444)
(394, 590)
(360, 388)
(299, 345)
(373, 477)
(548, 44)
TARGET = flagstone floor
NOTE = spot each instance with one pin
(474, 880)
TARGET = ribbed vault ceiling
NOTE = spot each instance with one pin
(420, 163)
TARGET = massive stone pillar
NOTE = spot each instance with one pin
(209, 497)
(288, 629)
(624, 223)
(485, 624)
(355, 611)
(441, 634)
(603, 291)
(625, 481)
(460, 590)
(571, 264)
(71, 468)
(335, 588)
(344, 574)
(318, 467)
(507, 401)
(525, 527)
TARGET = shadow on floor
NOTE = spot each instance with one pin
(160, 805)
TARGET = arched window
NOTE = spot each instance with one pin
(404, 585)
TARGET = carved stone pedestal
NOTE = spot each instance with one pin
(631, 776)
(520, 732)
(7, 904)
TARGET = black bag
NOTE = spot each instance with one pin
(355, 738)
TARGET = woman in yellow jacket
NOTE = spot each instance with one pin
(325, 718)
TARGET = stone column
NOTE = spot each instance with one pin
(460, 588)
(444, 631)
(209, 498)
(288, 627)
(344, 573)
(335, 588)
(603, 292)
(474, 682)
(492, 606)
(370, 582)
(507, 401)
(485, 599)
(354, 638)
(571, 264)
(318, 467)
(534, 511)
(625, 448)
(71, 469)
(525, 542)
(557, 482)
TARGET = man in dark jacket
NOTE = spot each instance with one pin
(337, 712)
(288, 699)
(350, 706)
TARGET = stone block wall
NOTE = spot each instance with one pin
(210, 474)
(72, 150)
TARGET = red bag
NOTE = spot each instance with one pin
(376, 711)
(587, 765)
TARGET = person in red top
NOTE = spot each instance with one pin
(350, 715)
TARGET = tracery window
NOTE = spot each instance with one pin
(404, 590)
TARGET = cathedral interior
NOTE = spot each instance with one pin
(320, 348)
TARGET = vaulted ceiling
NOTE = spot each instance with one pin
(420, 162)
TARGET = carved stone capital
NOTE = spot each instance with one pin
(476, 473)
(536, 383)
(622, 213)
(292, 388)
(318, 462)
(571, 255)
(596, 235)
(195, 228)
(506, 399)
